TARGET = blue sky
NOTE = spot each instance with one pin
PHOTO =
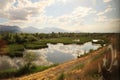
(71, 15)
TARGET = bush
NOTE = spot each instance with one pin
(15, 54)
(15, 50)
(7, 73)
(80, 66)
(22, 71)
(34, 46)
(61, 76)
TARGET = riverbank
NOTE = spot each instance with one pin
(89, 67)
(54, 54)
(52, 73)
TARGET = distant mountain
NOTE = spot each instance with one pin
(7, 28)
(16, 29)
(53, 29)
(30, 30)
(44, 30)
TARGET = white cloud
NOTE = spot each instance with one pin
(106, 1)
(109, 26)
(82, 11)
(94, 2)
(105, 24)
(23, 9)
(101, 19)
(26, 13)
(6, 4)
(108, 9)
(3, 15)
(65, 1)
(18, 14)
(75, 18)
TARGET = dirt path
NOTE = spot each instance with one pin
(50, 74)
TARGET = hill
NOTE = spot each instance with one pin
(43, 30)
(11, 29)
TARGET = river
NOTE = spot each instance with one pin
(55, 53)
(60, 53)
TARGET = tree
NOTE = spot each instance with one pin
(29, 57)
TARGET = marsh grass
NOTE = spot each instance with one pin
(61, 76)
(80, 66)
(15, 50)
(23, 71)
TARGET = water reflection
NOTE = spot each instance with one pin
(7, 62)
(59, 53)
(55, 53)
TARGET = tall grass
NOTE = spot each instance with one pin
(15, 50)
(61, 76)
(80, 66)
(23, 71)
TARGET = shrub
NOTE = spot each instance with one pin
(80, 66)
(7, 73)
(15, 50)
(61, 76)
(34, 46)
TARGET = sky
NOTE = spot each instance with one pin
(70, 15)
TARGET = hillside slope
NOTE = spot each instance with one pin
(11, 29)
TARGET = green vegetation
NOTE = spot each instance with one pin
(28, 57)
(23, 71)
(99, 55)
(41, 68)
(34, 46)
(80, 66)
(64, 40)
(85, 54)
(28, 67)
(93, 74)
(7, 73)
(14, 44)
(61, 76)
(15, 50)
(17, 42)
(32, 69)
